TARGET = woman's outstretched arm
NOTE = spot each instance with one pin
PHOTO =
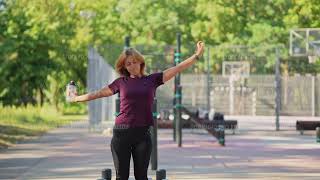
(171, 72)
(104, 92)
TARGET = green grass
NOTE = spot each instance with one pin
(17, 124)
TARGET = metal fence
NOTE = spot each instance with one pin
(299, 95)
(99, 74)
(204, 86)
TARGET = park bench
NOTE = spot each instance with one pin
(306, 125)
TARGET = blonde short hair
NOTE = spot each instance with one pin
(120, 64)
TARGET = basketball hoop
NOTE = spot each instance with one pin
(305, 42)
(234, 77)
(236, 69)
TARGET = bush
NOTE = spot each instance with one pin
(74, 109)
(22, 123)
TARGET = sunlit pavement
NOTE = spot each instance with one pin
(256, 151)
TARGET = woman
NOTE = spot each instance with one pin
(131, 134)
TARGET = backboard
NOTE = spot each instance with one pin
(305, 42)
(236, 68)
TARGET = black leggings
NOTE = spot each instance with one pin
(135, 141)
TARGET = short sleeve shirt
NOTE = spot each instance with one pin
(136, 99)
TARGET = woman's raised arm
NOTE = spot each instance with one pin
(104, 92)
(171, 72)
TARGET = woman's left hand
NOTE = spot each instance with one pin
(200, 48)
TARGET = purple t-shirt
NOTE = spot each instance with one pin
(136, 99)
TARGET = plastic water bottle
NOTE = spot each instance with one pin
(71, 91)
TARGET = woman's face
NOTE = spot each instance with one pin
(132, 66)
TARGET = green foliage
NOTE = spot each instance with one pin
(26, 123)
(43, 44)
(74, 108)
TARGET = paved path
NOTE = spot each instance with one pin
(72, 153)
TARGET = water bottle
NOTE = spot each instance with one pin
(71, 91)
